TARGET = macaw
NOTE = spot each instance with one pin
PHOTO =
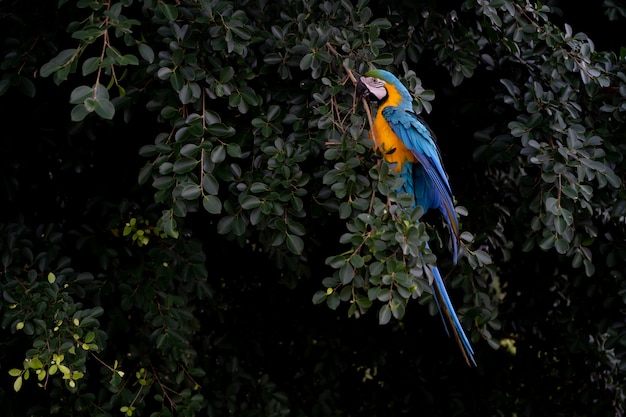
(406, 141)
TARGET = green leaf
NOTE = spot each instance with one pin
(273, 112)
(376, 268)
(17, 384)
(345, 210)
(296, 228)
(190, 150)
(90, 104)
(90, 65)
(26, 87)
(383, 59)
(239, 226)
(552, 205)
(561, 246)
(225, 225)
(168, 224)
(146, 52)
(250, 97)
(547, 242)
(226, 74)
(170, 11)
(306, 62)
(381, 23)
(162, 183)
(595, 165)
(210, 184)
(128, 59)
(250, 202)
(79, 112)
(220, 130)
(233, 150)
(318, 298)
(242, 32)
(57, 62)
(4, 86)
(218, 154)
(590, 269)
(295, 244)
(333, 301)
(258, 187)
(184, 165)
(190, 192)
(185, 94)
(398, 309)
(560, 225)
(363, 302)
(483, 257)
(384, 314)
(346, 274)
(212, 204)
(164, 73)
(177, 81)
(104, 108)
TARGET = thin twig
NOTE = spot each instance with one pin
(366, 106)
(348, 71)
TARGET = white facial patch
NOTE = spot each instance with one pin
(375, 86)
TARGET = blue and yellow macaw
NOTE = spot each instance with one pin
(406, 141)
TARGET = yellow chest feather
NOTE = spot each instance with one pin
(386, 140)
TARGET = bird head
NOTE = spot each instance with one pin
(380, 85)
(372, 88)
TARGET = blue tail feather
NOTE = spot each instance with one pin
(448, 316)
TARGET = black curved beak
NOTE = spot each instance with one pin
(362, 91)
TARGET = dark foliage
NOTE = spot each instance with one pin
(187, 186)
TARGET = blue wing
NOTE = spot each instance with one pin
(430, 182)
